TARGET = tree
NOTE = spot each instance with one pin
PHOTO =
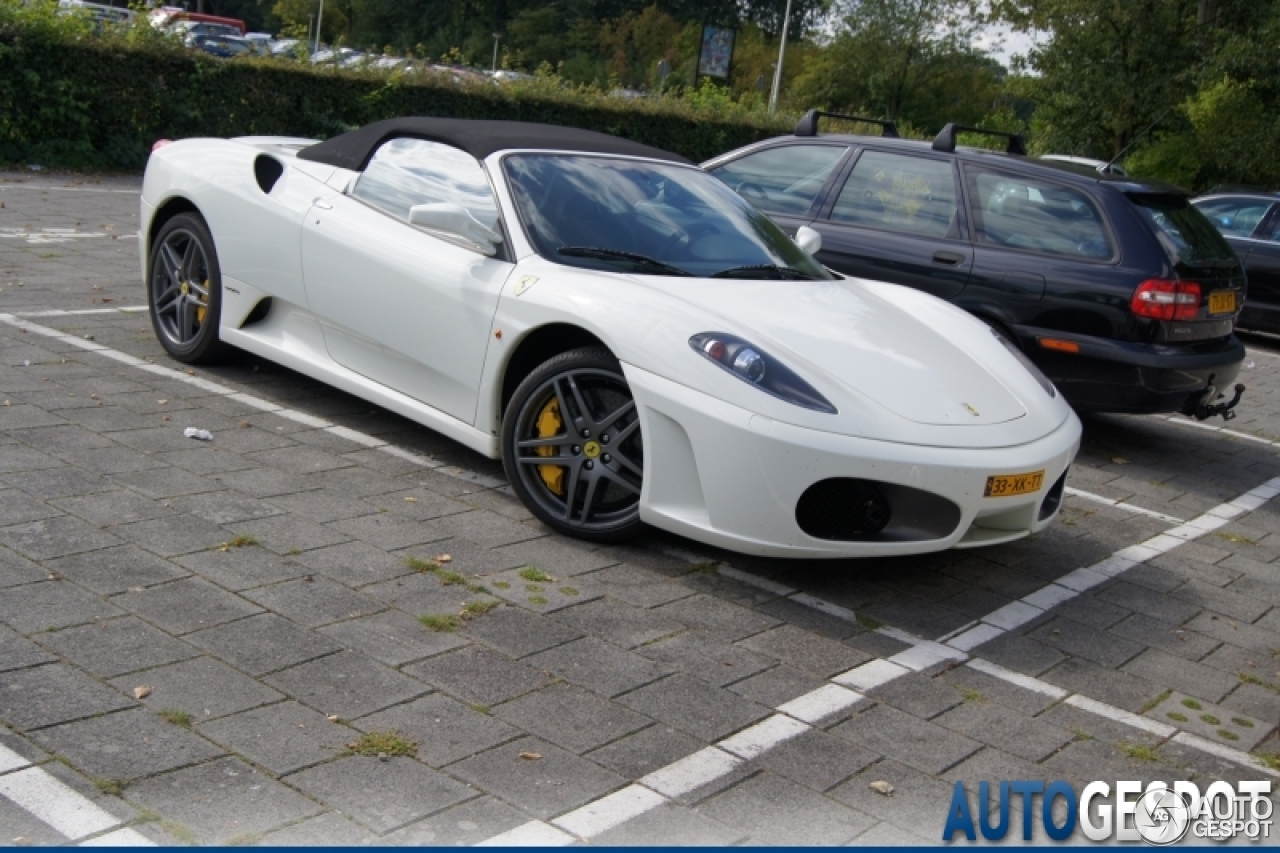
(904, 59)
(1110, 68)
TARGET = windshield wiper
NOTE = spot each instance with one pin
(780, 272)
(619, 255)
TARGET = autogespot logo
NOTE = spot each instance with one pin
(1159, 815)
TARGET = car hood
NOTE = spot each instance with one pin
(867, 344)
(899, 365)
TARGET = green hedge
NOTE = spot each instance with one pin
(99, 103)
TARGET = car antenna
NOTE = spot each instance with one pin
(1132, 142)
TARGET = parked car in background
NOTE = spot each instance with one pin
(1250, 220)
(225, 47)
(191, 29)
(101, 13)
(1097, 165)
(166, 16)
(1118, 289)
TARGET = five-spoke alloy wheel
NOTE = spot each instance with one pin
(184, 290)
(572, 449)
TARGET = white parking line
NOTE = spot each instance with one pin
(8, 186)
(1036, 604)
(1224, 431)
(120, 838)
(53, 802)
(355, 436)
(10, 760)
(1089, 496)
(1119, 715)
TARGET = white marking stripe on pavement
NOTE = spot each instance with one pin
(607, 812)
(691, 772)
(120, 838)
(535, 833)
(817, 705)
(10, 760)
(8, 186)
(1036, 604)
(1120, 715)
(56, 804)
(1090, 496)
(763, 736)
(354, 436)
(1231, 432)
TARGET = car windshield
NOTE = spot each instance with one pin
(1183, 230)
(644, 217)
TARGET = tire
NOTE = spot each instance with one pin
(592, 490)
(184, 291)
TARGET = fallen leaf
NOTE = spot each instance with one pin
(165, 418)
(245, 425)
(881, 788)
(444, 558)
(141, 692)
(411, 500)
(1119, 460)
(530, 756)
(333, 718)
(162, 402)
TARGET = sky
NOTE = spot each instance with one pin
(1003, 43)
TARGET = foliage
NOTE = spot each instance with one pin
(74, 99)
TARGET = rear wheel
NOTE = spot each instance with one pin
(572, 448)
(184, 290)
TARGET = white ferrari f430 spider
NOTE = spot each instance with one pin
(634, 340)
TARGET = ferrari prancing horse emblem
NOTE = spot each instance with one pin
(525, 282)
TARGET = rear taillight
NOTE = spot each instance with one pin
(1160, 299)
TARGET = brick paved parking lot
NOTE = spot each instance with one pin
(261, 638)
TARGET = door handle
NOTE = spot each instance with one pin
(949, 259)
(322, 204)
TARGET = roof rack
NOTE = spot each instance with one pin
(946, 139)
(808, 124)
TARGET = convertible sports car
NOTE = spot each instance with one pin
(633, 339)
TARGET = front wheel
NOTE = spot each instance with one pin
(572, 449)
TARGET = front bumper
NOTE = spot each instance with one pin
(721, 475)
(1135, 378)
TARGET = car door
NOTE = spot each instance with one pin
(897, 218)
(1239, 218)
(1041, 249)
(788, 182)
(1262, 304)
(402, 306)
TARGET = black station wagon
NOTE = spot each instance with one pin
(1119, 290)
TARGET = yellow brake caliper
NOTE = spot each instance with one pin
(204, 306)
(549, 424)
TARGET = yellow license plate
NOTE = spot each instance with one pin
(1008, 485)
(1222, 302)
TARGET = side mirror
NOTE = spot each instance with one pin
(809, 240)
(454, 223)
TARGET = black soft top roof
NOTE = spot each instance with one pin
(478, 137)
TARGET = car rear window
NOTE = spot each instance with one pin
(1183, 230)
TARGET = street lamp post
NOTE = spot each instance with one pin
(320, 17)
(782, 54)
(496, 37)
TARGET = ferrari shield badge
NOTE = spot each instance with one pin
(525, 282)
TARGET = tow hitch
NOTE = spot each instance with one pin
(1206, 409)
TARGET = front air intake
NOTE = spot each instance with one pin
(1053, 499)
(843, 509)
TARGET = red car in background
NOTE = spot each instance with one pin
(167, 16)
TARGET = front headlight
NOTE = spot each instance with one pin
(750, 364)
(1027, 363)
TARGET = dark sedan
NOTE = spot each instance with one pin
(1118, 289)
(1250, 220)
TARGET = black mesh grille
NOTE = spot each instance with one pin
(842, 509)
(1054, 499)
